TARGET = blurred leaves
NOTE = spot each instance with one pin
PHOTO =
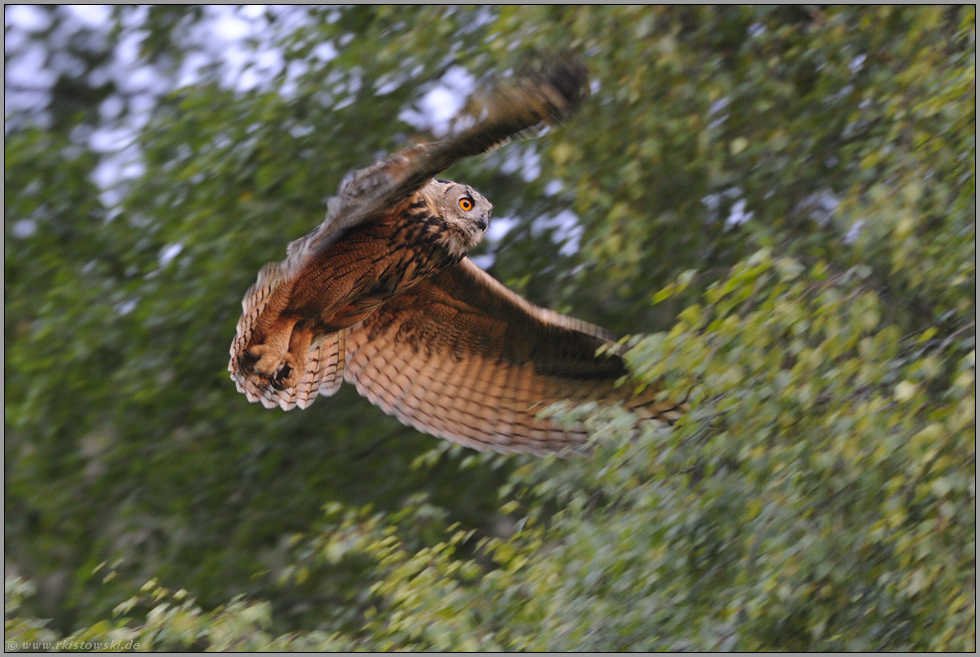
(779, 200)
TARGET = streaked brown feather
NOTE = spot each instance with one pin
(369, 196)
(378, 295)
(480, 392)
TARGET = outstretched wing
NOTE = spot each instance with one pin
(537, 96)
(462, 357)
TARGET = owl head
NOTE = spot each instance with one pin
(463, 209)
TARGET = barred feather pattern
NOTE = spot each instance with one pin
(463, 358)
(254, 304)
(381, 295)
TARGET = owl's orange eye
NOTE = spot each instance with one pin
(466, 203)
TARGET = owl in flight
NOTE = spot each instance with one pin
(382, 295)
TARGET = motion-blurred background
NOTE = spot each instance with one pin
(781, 199)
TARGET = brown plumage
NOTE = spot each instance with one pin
(381, 295)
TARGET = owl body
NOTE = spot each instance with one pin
(382, 295)
(375, 262)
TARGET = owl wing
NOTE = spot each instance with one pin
(542, 93)
(545, 91)
(462, 357)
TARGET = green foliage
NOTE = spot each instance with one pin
(818, 495)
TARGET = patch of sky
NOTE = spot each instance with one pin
(715, 108)
(169, 252)
(325, 52)
(499, 227)
(854, 232)
(484, 261)
(126, 307)
(24, 228)
(26, 17)
(729, 202)
(567, 229)
(435, 110)
(738, 215)
(27, 69)
(237, 44)
(92, 16)
(820, 207)
(554, 187)
(237, 48)
(718, 105)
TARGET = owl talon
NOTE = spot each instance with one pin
(268, 360)
(289, 373)
(280, 381)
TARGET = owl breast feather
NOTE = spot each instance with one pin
(369, 266)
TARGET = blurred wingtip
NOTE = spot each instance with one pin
(562, 75)
(544, 89)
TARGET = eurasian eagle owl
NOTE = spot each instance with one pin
(382, 295)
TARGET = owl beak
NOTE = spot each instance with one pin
(483, 222)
